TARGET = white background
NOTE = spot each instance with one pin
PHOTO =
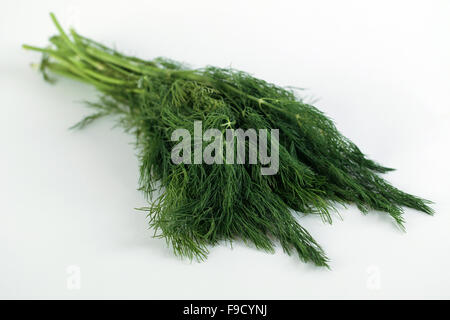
(380, 69)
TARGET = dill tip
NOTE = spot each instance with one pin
(35, 66)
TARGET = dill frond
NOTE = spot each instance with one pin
(201, 205)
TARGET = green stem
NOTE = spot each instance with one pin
(102, 60)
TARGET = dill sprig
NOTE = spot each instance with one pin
(199, 205)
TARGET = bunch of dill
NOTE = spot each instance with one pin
(202, 204)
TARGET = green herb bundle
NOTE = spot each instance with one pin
(199, 205)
